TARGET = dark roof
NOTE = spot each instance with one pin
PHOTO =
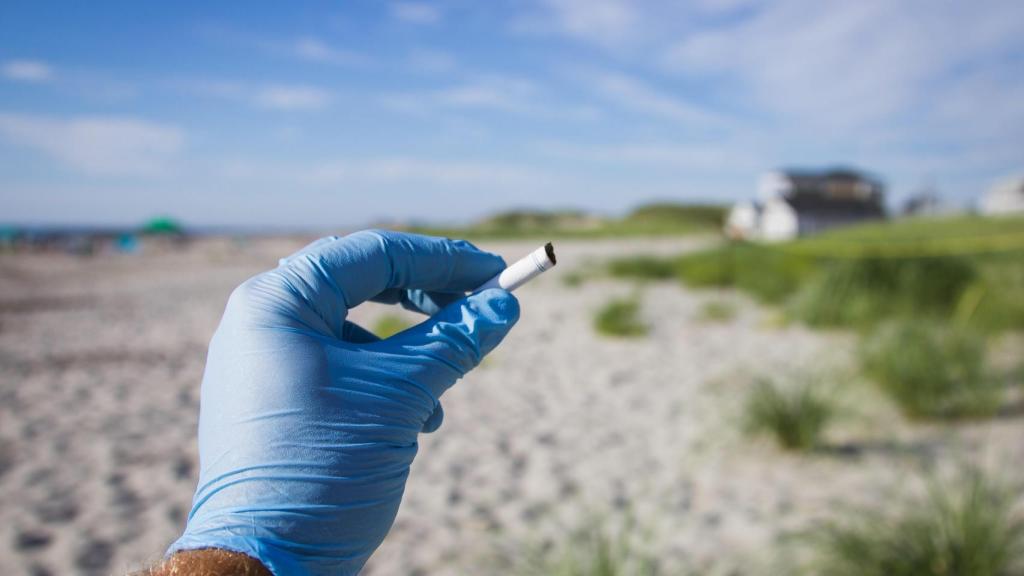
(838, 207)
(833, 173)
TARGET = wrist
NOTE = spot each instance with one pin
(208, 562)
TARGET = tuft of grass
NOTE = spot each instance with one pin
(970, 527)
(574, 279)
(768, 274)
(670, 213)
(621, 318)
(388, 325)
(662, 219)
(600, 547)
(995, 301)
(865, 291)
(931, 370)
(966, 269)
(717, 311)
(643, 268)
(795, 416)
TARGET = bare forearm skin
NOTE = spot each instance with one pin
(208, 562)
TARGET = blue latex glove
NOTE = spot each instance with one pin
(308, 423)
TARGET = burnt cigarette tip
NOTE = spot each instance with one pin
(550, 250)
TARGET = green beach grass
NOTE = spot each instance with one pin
(968, 527)
(796, 416)
(967, 269)
(932, 370)
(620, 318)
(657, 219)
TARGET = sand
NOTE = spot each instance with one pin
(101, 360)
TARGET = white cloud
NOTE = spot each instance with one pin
(607, 23)
(420, 171)
(489, 92)
(431, 61)
(416, 12)
(101, 145)
(292, 97)
(316, 50)
(718, 156)
(847, 64)
(27, 71)
(274, 96)
(633, 94)
(390, 173)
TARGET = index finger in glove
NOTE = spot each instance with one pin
(365, 264)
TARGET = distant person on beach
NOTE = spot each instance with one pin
(309, 423)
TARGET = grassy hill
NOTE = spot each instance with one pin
(660, 219)
(965, 269)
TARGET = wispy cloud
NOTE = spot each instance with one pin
(725, 157)
(271, 96)
(848, 64)
(27, 71)
(634, 94)
(292, 97)
(101, 145)
(422, 171)
(430, 61)
(609, 23)
(416, 12)
(487, 92)
(316, 50)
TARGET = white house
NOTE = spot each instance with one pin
(799, 202)
(1006, 197)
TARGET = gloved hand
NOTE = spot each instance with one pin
(308, 423)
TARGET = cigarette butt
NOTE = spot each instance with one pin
(523, 270)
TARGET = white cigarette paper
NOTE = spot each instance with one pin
(523, 270)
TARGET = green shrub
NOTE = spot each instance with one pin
(574, 279)
(966, 528)
(388, 325)
(712, 267)
(795, 416)
(642, 268)
(931, 370)
(769, 274)
(996, 300)
(710, 215)
(717, 311)
(865, 291)
(970, 270)
(621, 318)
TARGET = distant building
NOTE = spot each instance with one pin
(800, 202)
(1006, 197)
(927, 202)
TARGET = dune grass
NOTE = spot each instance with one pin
(766, 273)
(965, 269)
(969, 527)
(598, 547)
(621, 318)
(717, 311)
(388, 325)
(864, 291)
(796, 416)
(657, 219)
(574, 279)
(931, 370)
(642, 268)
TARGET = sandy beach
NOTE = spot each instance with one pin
(101, 360)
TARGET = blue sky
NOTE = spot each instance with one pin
(323, 114)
